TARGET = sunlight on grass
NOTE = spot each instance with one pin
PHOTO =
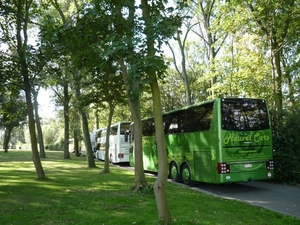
(75, 194)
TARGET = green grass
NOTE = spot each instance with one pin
(74, 194)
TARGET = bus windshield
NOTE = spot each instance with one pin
(244, 114)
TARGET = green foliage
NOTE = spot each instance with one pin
(287, 152)
(13, 113)
(57, 146)
(12, 109)
(172, 92)
(53, 134)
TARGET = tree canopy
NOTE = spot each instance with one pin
(135, 59)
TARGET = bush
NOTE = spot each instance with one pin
(58, 146)
(286, 142)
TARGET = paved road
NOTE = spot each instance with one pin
(275, 197)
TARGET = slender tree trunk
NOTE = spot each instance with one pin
(278, 79)
(97, 119)
(135, 108)
(66, 93)
(160, 185)
(22, 22)
(133, 95)
(206, 9)
(184, 74)
(85, 127)
(31, 123)
(38, 125)
(291, 87)
(276, 39)
(107, 156)
(87, 140)
(7, 135)
(66, 121)
(76, 147)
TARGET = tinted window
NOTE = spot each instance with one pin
(202, 117)
(190, 120)
(193, 119)
(124, 127)
(148, 127)
(114, 130)
(244, 114)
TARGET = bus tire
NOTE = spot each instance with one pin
(174, 172)
(186, 174)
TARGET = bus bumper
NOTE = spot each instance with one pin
(245, 177)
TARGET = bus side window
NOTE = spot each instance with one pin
(174, 126)
(148, 127)
(166, 124)
(184, 123)
(114, 130)
(202, 117)
(124, 127)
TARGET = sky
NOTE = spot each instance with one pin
(46, 106)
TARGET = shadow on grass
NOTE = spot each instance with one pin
(70, 194)
(74, 194)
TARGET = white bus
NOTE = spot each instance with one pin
(118, 143)
(100, 143)
(72, 145)
(93, 140)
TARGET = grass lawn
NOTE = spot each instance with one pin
(74, 194)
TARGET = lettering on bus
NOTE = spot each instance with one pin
(237, 137)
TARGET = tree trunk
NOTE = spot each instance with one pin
(133, 95)
(76, 147)
(87, 140)
(184, 74)
(66, 121)
(107, 157)
(97, 119)
(276, 51)
(7, 135)
(160, 185)
(38, 125)
(22, 22)
(206, 10)
(276, 37)
(85, 127)
(135, 108)
(31, 123)
(291, 87)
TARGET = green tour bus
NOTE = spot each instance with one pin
(218, 141)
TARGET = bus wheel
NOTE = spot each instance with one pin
(174, 173)
(186, 174)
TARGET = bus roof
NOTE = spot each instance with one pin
(201, 103)
(121, 122)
